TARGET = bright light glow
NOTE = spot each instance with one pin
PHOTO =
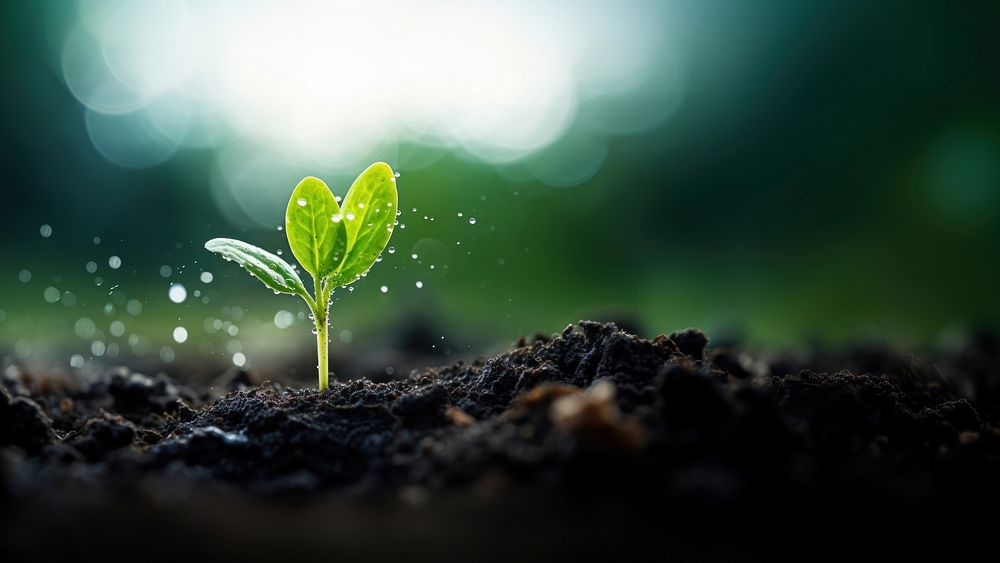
(334, 84)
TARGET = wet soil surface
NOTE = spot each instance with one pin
(593, 442)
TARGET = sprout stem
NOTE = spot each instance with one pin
(321, 316)
(322, 346)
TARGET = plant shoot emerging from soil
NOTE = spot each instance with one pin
(336, 245)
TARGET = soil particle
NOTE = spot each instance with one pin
(23, 423)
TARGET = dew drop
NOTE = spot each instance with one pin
(239, 360)
(301, 201)
(280, 228)
(391, 250)
(350, 216)
(472, 220)
(361, 206)
(460, 214)
(45, 231)
(115, 262)
(384, 289)
(420, 285)
(336, 218)
(207, 277)
(396, 175)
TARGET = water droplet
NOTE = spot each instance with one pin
(472, 220)
(391, 250)
(420, 284)
(239, 360)
(180, 335)
(134, 307)
(24, 276)
(167, 354)
(280, 252)
(414, 256)
(384, 289)
(91, 267)
(280, 228)
(396, 175)
(84, 328)
(115, 262)
(283, 319)
(460, 214)
(76, 361)
(166, 271)
(336, 218)
(301, 201)
(350, 216)
(207, 277)
(45, 231)
(97, 240)
(361, 206)
(51, 294)
(177, 293)
(402, 225)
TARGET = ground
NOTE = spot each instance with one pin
(587, 443)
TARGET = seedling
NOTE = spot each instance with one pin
(337, 245)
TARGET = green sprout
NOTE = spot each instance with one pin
(337, 245)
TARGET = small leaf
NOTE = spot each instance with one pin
(370, 210)
(268, 268)
(315, 227)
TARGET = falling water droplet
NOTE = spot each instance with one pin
(177, 293)
(180, 335)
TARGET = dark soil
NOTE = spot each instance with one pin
(592, 443)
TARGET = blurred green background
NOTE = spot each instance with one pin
(781, 171)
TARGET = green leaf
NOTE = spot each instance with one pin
(370, 211)
(315, 228)
(268, 268)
